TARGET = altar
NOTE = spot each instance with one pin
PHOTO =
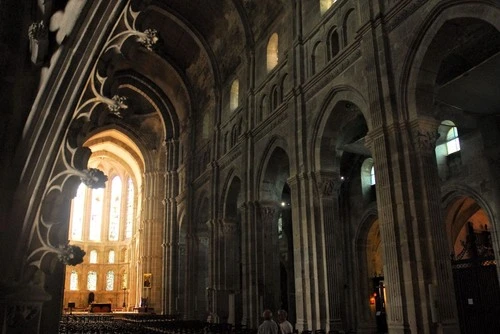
(100, 308)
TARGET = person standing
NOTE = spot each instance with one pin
(268, 326)
(285, 325)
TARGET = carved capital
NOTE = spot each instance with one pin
(148, 38)
(38, 31)
(70, 255)
(328, 184)
(116, 105)
(424, 135)
(93, 178)
(267, 213)
(229, 228)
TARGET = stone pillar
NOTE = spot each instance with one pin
(189, 286)
(251, 265)
(153, 252)
(270, 275)
(490, 186)
(170, 232)
(417, 268)
(228, 268)
(331, 231)
(305, 276)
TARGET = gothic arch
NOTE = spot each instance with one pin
(452, 192)
(361, 266)
(325, 154)
(229, 191)
(421, 64)
(274, 165)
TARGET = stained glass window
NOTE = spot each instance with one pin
(93, 256)
(110, 281)
(114, 212)
(130, 209)
(77, 214)
(280, 226)
(111, 256)
(92, 281)
(73, 281)
(96, 214)
(452, 141)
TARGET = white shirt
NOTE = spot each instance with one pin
(268, 327)
(286, 327)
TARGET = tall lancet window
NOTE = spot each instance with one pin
(92, 281)
(110, 281)
(96, 214)
(73, 281)
(77, 213)
(114, 212)
(130, 209)
(111, 256)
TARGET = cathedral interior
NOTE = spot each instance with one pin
(208, 160)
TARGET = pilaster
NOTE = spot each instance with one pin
(332, 234)
(417, 271)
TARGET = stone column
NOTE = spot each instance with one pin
(152, 256)
(417, 269)
(490, 186)
(189, 286)
(331, 256)
(270, 275)
(251, 265)
(170, 232)
(228, 268)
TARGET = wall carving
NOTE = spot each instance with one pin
(403, 13)
(329, 73)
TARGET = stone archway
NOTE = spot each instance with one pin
(271, 187)
(474, 266)
(339, 151)
(370, 297)
(231, 309)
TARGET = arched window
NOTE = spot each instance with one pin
(349, 27)
(92, 281)
(96, 214)
(234, 96)
(333, 42)
(130, 209)
(324, 5)
(114, 210)
(262, 108)
(77, 213)
(274, 98)
(372, 176)
(93, 256)
(318, 57)
(73, 281)
(272, 52)
(110, 281)
(452, 141)
(111, 256)
(368, 179)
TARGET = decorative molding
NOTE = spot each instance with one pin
(148, 38)
(330, 72)
(278, 121)
(403, 13)
(425, 141)
(93, 178)
(229, 228)
(116, 104)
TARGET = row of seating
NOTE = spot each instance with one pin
(149, 323)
